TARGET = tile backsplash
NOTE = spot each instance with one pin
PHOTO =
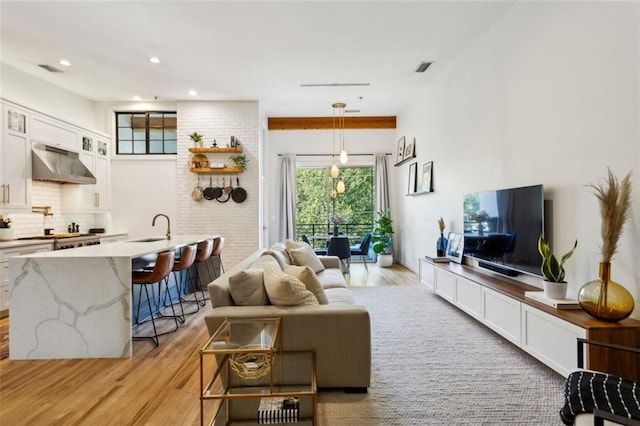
(33, 224)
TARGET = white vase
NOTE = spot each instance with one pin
(6, 234)
(385, 260)
(555, 290)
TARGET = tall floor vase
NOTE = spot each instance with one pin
(604, 298)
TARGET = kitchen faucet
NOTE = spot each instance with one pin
(168, 224)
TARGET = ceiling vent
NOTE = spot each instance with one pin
(423, 66)
(351, 111)
(49, 68)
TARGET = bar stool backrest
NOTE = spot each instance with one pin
(218, 245)
(186, 258)
(162, 268)
(205, 248)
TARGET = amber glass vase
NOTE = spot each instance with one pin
(604, 298)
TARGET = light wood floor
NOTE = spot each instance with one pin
(157, 386)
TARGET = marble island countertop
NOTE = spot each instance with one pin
(38, 241)
(130, 249)
(77, 303)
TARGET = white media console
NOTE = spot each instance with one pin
(546, 333)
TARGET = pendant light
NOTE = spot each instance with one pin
(340, 106)
(335, 170)
(340, 187)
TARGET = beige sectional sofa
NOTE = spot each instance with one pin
(338, 331)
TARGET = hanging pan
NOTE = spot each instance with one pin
(239, 194)
(217, 190)
(208, 191)
(219, 199)
(196, 193)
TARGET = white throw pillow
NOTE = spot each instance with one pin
(247, 288)
(310, 280)
(286, 290)
(303, 254)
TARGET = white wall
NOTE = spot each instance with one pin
(44, 97)
(367, 141)
(549, 94)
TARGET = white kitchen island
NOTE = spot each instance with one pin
(77, 303)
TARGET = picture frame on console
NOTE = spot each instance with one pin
(455, 247)
(413, 171)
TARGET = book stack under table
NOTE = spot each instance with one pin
(252, 381)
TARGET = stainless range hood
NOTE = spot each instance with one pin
(53, 164)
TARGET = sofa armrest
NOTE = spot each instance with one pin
(330, 261)
(340, 336)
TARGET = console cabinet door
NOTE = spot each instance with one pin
(427, 273)
(551, 340)
(502, 315)
(469, 297)
(446, 285)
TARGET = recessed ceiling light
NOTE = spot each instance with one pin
(137, 98)
(193, 93)
(154, 60)
(64, 62)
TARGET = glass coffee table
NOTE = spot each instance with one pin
(246, 379)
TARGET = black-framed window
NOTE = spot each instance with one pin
(146, 132)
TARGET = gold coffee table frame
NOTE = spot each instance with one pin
(246, 357)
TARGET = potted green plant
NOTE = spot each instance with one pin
(239, 161)
(197, 139)
(381, 238)
(555, 287)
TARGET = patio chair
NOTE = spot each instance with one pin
(318, 251)
(362, 249)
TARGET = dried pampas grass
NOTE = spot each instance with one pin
(615, 207)
(441, 224)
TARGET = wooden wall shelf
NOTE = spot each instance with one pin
(207, 170)
(217, 150)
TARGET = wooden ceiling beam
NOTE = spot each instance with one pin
(315, 123)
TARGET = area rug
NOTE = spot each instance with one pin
(434, 365)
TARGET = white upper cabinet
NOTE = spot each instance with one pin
(15, 164)
(54, 133)
(94, 153)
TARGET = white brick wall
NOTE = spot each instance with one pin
(238, 223)
(32, 224)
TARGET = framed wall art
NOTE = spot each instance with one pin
(413, 170)
(425, 181)
(400, 150)
(409, 149)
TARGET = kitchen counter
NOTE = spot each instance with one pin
(77, 303)
(31, 241)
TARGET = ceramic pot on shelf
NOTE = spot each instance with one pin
(554, 290)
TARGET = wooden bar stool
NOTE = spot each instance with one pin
(216, 256)
(205, 249)
(181, 265)
(161, 270)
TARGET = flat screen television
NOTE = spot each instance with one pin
(502, 227)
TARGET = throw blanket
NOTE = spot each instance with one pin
(585, 391)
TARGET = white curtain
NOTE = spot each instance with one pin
(382, 182)
(287, 224)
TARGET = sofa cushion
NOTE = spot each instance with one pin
(332, 278)
(286, 290)
(265, 259)
(340, 296)
(310, 280)
(247, 288)
(279, 252)
(303, 254)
